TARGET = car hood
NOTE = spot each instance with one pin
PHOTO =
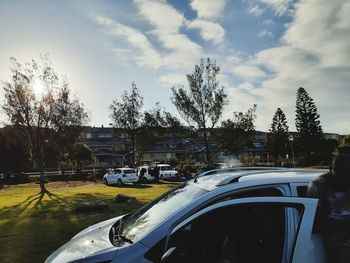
(89, 245)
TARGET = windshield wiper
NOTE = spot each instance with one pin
(124, 238)
(119, 235)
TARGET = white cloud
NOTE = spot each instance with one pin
(148, 56)
(165, 18)
(232, 60)
(240, 100)
(182, 52)
(330, 41)
(208, 9)
(248, 71)
(265, 33)
(247, 86)
(173, 79)
(255, 10)
(280, 7)
(267, 22)
(315, 54)
(209, 31)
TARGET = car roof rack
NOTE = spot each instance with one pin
(235, 178)
(260, 170)
(237, 168)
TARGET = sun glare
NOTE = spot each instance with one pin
(38, 86)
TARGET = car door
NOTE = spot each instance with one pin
(127, 176)
(255, 229)
(116, 175)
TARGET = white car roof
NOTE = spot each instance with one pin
(162, 164)
(211, 182)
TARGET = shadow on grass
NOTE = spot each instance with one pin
(131, 186)
(35, 198)
(48, 223)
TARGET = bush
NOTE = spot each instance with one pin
(100, 173)
(9, 177)
(173, 162)
(188, 168)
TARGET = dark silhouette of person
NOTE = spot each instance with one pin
(333, 215)
(142, 174)
(156, 172)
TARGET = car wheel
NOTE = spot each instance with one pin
(119, 182)
(161, 177)
(106, 181)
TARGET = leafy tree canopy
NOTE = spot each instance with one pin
(309, 130)
(234, 134)
(202, 104)
(39, 103)
(279, 135)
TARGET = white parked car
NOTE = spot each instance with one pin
(167, 172)
(121, 176)
(146, 174)
(242, 216)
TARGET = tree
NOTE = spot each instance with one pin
(41, 107)
(344, 146)
(127, 118)
(309, 131)
(138, 129)
(234, 135)
(202, 105)
(81, 154)
(279, 135)
(156, 123)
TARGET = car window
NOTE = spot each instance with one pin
(151, 215)
(270, 191)
(167, 168)
(243, 233)
(129, 171)
(302, 190)
(117, 171)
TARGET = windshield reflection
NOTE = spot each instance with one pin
(151, 215)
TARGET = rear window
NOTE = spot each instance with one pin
(129, 171)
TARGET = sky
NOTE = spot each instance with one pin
(266, 49)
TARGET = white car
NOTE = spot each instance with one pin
(121, 176)
(242, 216)
(167, 172)
(146, 174)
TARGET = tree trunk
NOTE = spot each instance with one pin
(207, 154)
(133, 150)
(42, 177)
(206, 141)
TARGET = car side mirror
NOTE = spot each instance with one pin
(168, 256)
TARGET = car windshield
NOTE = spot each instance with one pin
(129, 171)
(167, 168)
(152, 214)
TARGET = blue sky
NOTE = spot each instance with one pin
(266, 49)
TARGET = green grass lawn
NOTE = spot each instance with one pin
(33, 226)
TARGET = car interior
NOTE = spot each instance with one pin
(235, 234)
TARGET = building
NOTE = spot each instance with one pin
(106, 149)
(109, 150)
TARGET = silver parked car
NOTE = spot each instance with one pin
(241, 216)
